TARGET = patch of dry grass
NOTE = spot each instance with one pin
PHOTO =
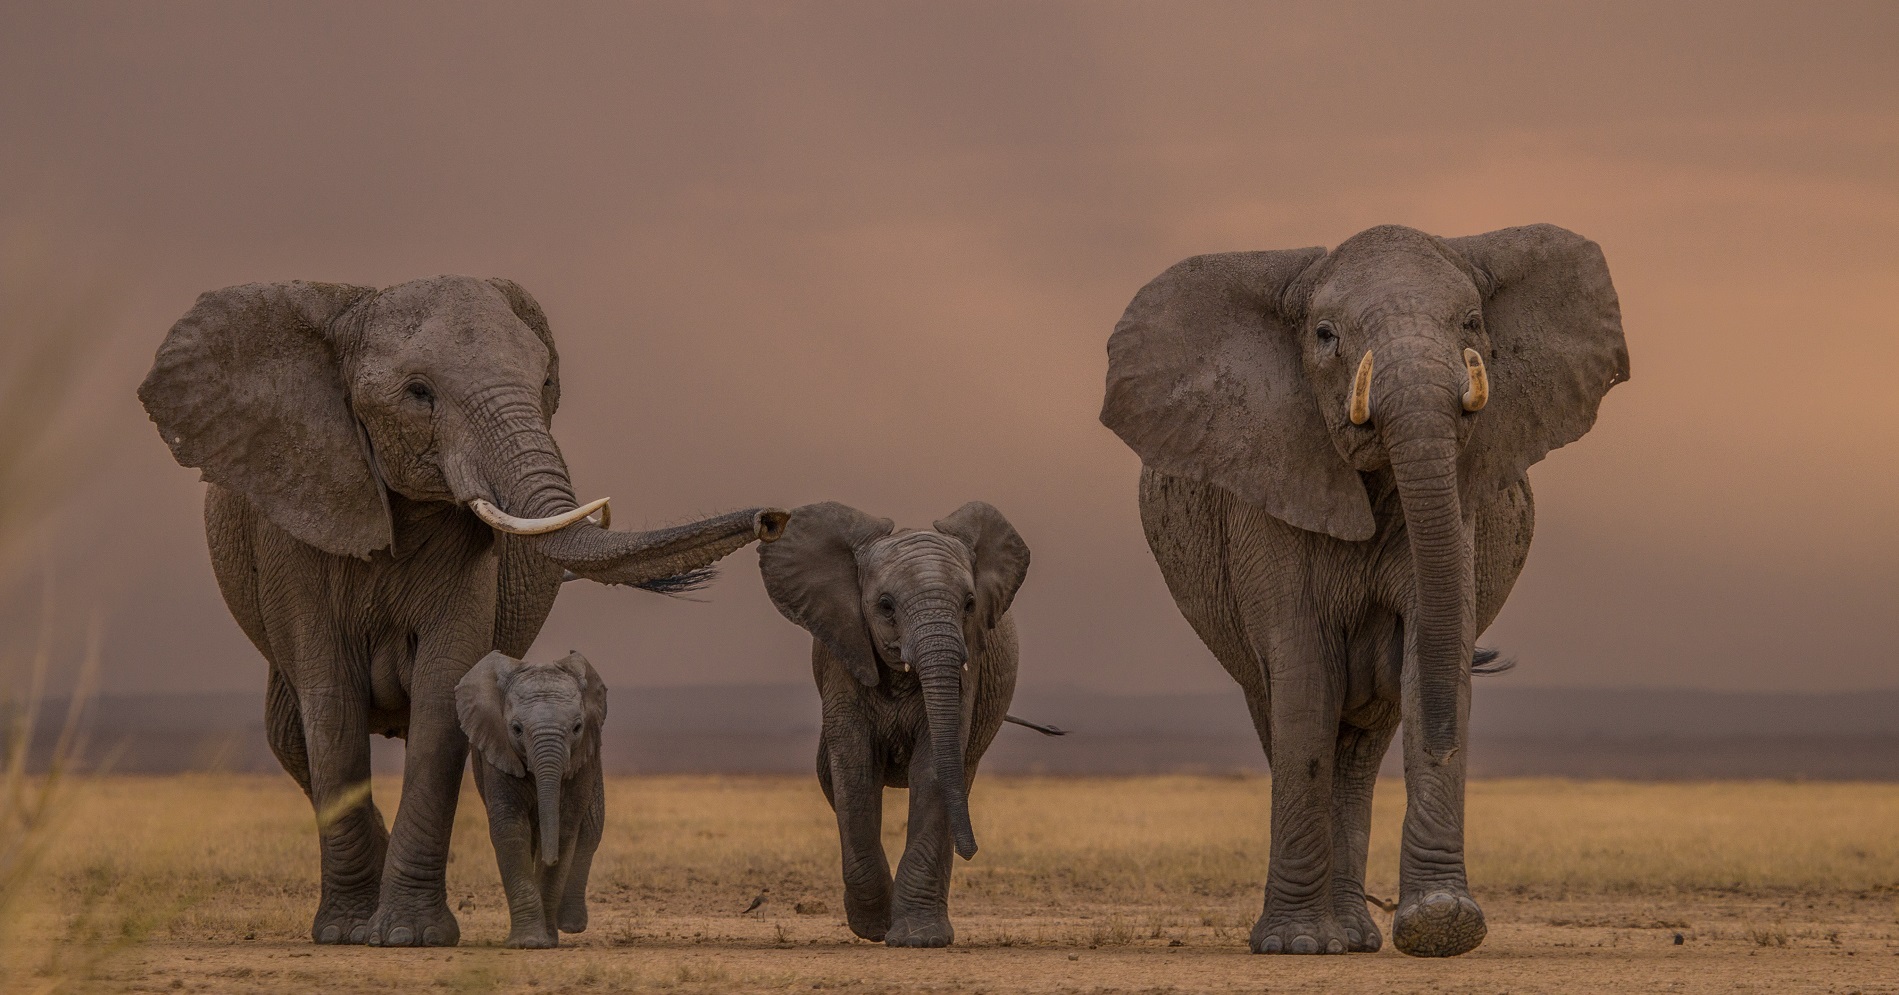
(219, 873)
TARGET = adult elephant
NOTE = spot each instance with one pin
(1334, 447)
(386, 506)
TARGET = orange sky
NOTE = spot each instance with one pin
(873, 252)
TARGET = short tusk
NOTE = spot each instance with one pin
(1478, 394)
(1360, 408)
(606, 516)
(501, 521)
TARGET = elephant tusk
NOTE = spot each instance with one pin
(1360, 408)
(606, 516)
(1478, 394)
(501, 521)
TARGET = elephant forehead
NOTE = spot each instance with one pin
(917, 555)
(1394, 267)
(542, 683)
(457, 308)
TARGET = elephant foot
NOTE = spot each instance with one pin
(343, 916)
(1437, 924)
(414, 920)
(1282, 933)
(573, 916)
(868, 918)
(1361, 931)
(921, 931)
(534, 938)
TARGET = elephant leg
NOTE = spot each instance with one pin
(919, 914)
(349, 826)
(1436, 915)
(283, 726)
(511, 831)
(856, 789)
(1354, 774)
(414, 906)
(592, 825)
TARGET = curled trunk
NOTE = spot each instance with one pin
(522, 473)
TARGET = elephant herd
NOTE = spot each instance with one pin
(1334, 447)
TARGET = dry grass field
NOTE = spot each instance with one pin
(206, 883)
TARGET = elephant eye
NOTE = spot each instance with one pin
(576, 728)
(420, 392)
(885, 605)
(1328, 336)
(969, 604)
(515, 728)
(1473, 321)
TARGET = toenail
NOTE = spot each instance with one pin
(1334, 947)
(1272, 945)
(401, 936)
(359, 934)
(1304, 945)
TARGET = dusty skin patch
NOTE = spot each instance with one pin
(205, 883)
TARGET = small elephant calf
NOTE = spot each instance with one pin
(915, 658)
(535, 728)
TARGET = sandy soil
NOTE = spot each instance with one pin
(206, 883)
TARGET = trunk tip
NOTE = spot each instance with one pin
(770, 523)
(966, 848)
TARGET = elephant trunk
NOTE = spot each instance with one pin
(934, 645)
(523, 475)
(1421, 435)
(550, 764)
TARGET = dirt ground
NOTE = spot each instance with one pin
(1125, 885)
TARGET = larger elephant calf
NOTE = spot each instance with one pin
(386, 506)
(1334, 449)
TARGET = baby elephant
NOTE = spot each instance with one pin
(535, 728)
(915, 659)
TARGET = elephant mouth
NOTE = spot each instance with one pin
(501, 521)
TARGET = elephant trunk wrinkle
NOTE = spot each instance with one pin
(1421, 434)
(550, 762)
(939, 670)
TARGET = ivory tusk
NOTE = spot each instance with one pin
(606, 516)
(501, 521)
(1478, 393)
(1360, 408)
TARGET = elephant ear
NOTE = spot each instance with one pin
(1556, 346)
(1001, 557)
(528, 309)
(479, 707)
(246, 388)
(593, 705)
(1206, 382)
(811, 575)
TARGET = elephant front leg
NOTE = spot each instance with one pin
(855, 784)
(919, 915)
(413, 910)
(1436, 915)
(511, 830)
(1354, 774)
(590, 827)
(335, 732)
(1299, 914)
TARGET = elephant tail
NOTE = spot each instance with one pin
(1489, 661)
(1045, 730)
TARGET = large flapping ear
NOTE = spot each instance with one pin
(593, 705)
(1001, 557)
(528, 309)
(1206, 382)
(246, 388)
(811, 575)
(1556, 346)
(479, 708)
